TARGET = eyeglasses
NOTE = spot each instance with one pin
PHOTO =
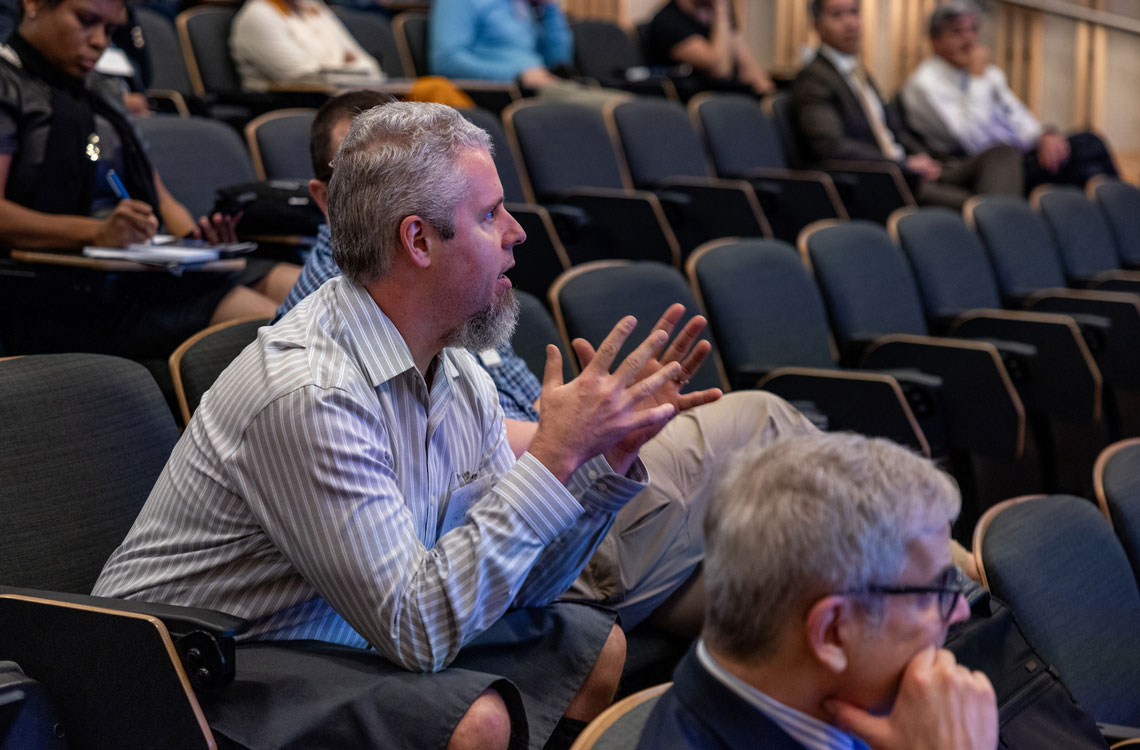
(950, 586)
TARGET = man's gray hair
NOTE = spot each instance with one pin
(397, 160)
(948, 13)
(807, 517)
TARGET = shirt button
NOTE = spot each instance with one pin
(593, 474)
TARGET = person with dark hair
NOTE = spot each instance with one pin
(703, 35)
(960, 103)
(840, 115)
(830, 587)
(325, 135)
(62, 129)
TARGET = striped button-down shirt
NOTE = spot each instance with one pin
(324, 490)
(809, 731)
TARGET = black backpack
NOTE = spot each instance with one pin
(1035, 709)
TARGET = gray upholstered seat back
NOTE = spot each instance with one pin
(1120, 482)
(504, 160)
(658, 141)
(168, 67)
(208, 30)
(565, 146)
(866, 282)
(594, 300)
(738, 135)
(1120, 204)
(373, 32)
(949, 262)
(535, 330)
(195, 156)
(85, 437)
(283, 143)
(1019, 245)
(764, 308)
(1081, 232)
(1057, 564)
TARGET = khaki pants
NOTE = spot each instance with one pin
(656, 542)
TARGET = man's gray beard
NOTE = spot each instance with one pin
(489, 328)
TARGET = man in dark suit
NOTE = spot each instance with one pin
(829, 589)
(840, 115)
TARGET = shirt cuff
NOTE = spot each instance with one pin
(597, 486)
(543, 502)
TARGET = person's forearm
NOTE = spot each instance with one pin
(721, 40)
(26, 229)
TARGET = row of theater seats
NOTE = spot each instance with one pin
(191, 59)
(645, 179)
(87, 434)
(967, 345)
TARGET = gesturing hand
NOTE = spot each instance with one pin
(686, 349)
(600, 412)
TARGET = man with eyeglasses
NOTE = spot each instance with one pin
(829, 588)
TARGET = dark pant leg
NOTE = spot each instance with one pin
(1088, 157)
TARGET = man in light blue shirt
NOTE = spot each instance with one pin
(830, 586)
(499, 40)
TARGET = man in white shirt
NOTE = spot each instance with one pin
(841, 115)
(961, 104)
(830, 587)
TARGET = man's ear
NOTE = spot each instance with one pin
(826, 630)
(320, 192)
(417, 240)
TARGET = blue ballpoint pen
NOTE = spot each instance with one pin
(117, 186)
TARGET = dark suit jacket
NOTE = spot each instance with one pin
(701, 713)
(831, 121)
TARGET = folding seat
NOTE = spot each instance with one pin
(569, 160)
(534, 331)
(85, 438)
(373, 32)
(1083, 237)
(278, 141)
(604, 53)
(744, 145)
(589, 300)
(204, 33)
(1029, 273)
(1120, 204)
(543, 256)
(200, 359)
(195, 157)
(870, 189)
(770, 327)
(1057, 564)
(663, 153)
(960, 298)
(410, 28)
(620, 725)
(876, 315)
(1116, 482)
(169, 78)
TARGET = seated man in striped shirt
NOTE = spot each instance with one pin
(831, 586)
(648, 566)
(348, 480)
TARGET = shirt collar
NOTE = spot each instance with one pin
(807, 730)
(843, 62)
(377, 343)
